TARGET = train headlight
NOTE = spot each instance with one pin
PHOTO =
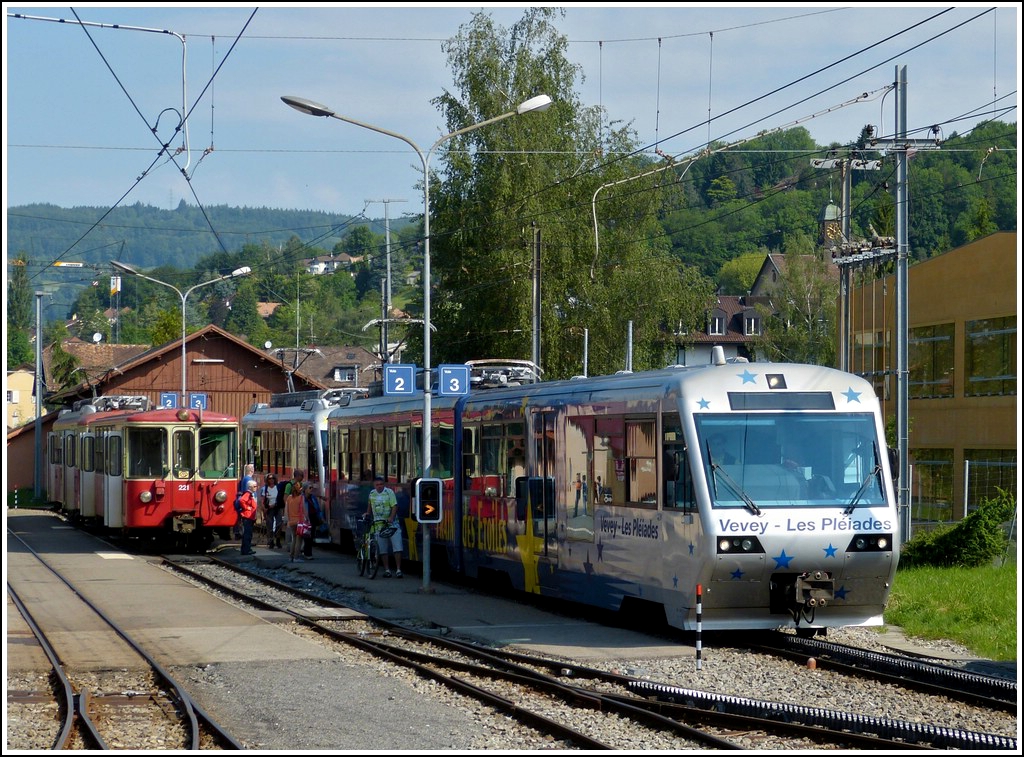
(183, 415)
(146, 497)
(742, 544)
(221, 496)
(870, 543)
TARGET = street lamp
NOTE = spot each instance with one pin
(538, 103)
(243, 271)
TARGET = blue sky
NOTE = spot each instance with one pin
(79, 107)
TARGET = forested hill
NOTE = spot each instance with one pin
(714, 209)
(148, 236)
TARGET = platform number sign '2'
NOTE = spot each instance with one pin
(453, 380)
(399, 379)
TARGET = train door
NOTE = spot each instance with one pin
(55, 469)
(71, 482)
(113, 494)
(87, 466)
(541, 485)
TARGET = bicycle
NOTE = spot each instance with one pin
(368, 553)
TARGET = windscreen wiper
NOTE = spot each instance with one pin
(864, 485)
(736, 489)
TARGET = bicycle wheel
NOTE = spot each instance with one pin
(361, 558)
(374, 562)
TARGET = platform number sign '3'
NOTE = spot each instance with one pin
(453, 380)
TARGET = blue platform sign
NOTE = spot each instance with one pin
(453, 380)
(399, 379)
(198, 402)
(168, 400)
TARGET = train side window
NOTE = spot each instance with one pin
(88, 454)
(641, 440)
(147, 450)
(101, 452)
(675, 470)
(115, 466)
(678, 480)
(69, 451)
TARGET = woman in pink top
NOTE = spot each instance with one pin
(295, 504)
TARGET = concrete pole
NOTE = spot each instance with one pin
(38, 488)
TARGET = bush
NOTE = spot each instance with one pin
(976, 540)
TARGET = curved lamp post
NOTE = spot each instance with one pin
(538, 103)
(243, 271)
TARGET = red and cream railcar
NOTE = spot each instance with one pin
(159, 474)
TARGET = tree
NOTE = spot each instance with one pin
(737, 276)
(801, 325)
(63, 365)
(529, 180)
(19, 314)
(243, 318)
(19, 296)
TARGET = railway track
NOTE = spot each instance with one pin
(920, 675)
(549, 695)
(108, 692)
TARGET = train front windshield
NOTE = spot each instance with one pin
(759, 460)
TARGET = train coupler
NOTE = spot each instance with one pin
(814, 589)
(183, 524)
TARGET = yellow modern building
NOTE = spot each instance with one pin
(964, 421)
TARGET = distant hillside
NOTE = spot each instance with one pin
(148, 236)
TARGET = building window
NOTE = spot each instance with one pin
(868, 359)
(986, 471)
(991, 357)
(932, 486)
(344, 374)
(931, 361)
(751, 324)
(716, 324)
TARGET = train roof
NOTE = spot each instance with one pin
(659, 382)
(133, 409)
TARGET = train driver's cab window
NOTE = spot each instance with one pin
(218, 452)
(147, 450)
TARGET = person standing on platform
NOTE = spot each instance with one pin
(316, 519)
(383, 506)
(295, 504)
(273, 510)
(248, 474)
(579, 490)
(248, 508)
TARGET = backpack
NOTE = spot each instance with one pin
(316, 515)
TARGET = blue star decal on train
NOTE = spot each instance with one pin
(703, 404)
(841, 592)
(675, 582)
(748, 377)
(737, 574)
(830, 551)
(691, 548)
(852, 396)
(600, 552)
(782, 561)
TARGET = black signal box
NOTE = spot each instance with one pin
(428, 500)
